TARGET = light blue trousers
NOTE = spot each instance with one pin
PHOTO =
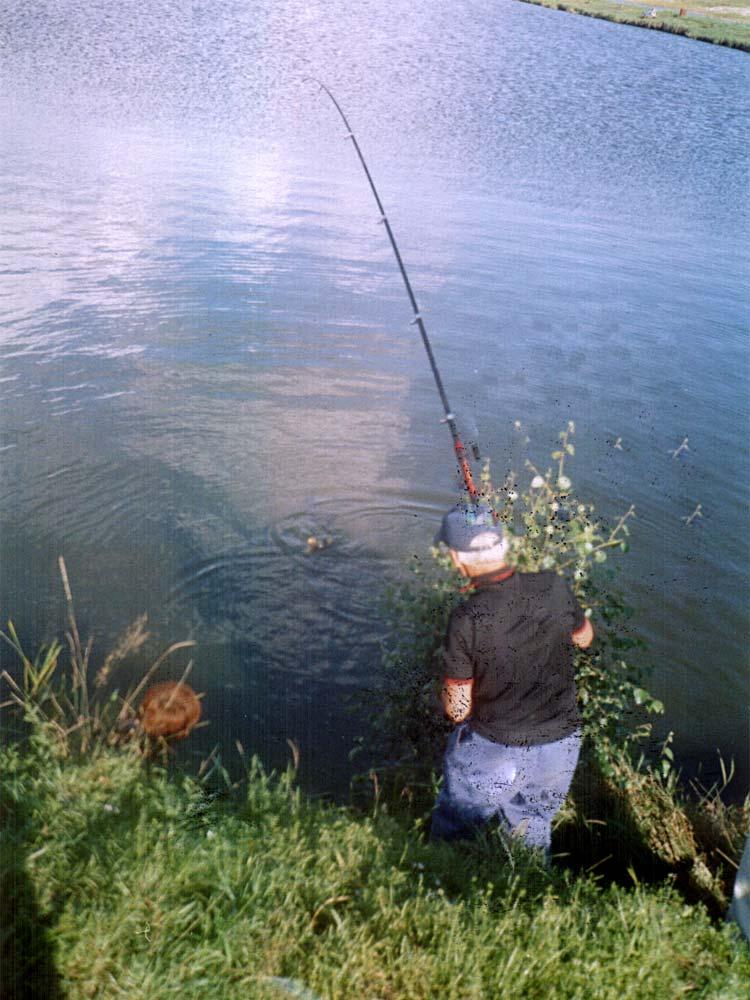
(523, 786)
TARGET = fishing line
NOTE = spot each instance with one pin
(449, 417)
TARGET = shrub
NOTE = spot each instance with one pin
(560, 532)
(623, 811)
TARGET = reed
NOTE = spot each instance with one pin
(77, 706)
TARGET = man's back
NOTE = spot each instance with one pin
(512, 637)
(509, 686)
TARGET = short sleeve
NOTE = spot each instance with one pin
(457, 658)
(570, 607)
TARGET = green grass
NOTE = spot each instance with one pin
(710, 22)
(120, 881)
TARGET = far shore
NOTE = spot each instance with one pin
(723, 23)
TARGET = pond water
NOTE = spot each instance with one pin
(205, 349)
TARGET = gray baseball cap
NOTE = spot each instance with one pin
(469, 527)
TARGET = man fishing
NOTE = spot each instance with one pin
(508, 686)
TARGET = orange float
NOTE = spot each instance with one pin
(170, 709)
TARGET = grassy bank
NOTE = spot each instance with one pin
(119, 878)
(118, 881)
(720, 23)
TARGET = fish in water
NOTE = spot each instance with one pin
(315, 543)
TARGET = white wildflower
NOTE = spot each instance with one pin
(554, 506)
(537, 482)
(210, 834)
(513, 496)
(564, 483)
(589, 546)
(581, 508)
(550, 529)
(108, 807)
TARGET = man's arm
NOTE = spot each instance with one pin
(583, 636)
(458, 669)
(456, 698)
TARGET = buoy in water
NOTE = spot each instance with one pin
(169, 709)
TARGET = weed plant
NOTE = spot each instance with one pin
(78, 708)
(626, 812)
(549, 528)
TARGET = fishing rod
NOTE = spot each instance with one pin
(449, 417)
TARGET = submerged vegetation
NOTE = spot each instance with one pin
(723, 23)
(121, 877)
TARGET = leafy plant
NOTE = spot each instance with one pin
(624, 812)
(80, 715)
(549, 528)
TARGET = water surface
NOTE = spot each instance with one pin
(205, 346)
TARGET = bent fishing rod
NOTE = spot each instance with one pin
(449, 417)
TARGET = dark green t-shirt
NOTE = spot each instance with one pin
(513, 638)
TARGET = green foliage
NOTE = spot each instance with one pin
(121, 880)
(550, 528)
(623, 812)
(147, 887)
(76, 707)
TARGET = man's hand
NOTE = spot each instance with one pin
(456, 698)
(583, 636)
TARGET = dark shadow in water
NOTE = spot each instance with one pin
(27, 956)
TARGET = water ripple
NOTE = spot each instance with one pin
(205, 345)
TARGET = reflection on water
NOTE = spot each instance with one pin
(205, 347)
